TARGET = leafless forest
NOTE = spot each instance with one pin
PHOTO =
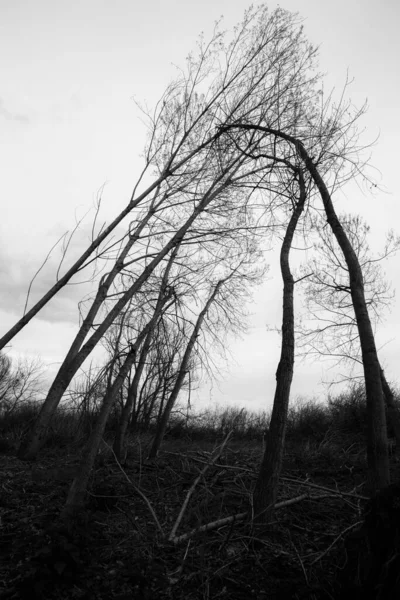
(113, 486)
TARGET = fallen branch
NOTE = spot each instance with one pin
(172, 535)
(209, 527)
(329, 548)
(227, 520)
(325, 489)
(151, 509)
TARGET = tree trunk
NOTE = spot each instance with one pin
(163, 422)
(119, 445)
(78, 488)
(392, 410)
(77, 266)
(79, 263)
(266, 489)
(119, 442)
(377, 444)
(103, 289)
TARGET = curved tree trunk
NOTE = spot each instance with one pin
(266, 489)
(377, 445)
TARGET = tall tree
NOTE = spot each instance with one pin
(221, 82)
(232, 280)
(377, 447)
(330, 328)
(202, 177)
(78, 488)
(119, 441)
(266, 489)
(75, 357)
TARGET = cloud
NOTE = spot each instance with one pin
(62, 307)
(12, 116)
(21, 259)
(15, 277)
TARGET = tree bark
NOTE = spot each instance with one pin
(266, 489)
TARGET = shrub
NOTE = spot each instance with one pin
(348, 410)
(308, 419)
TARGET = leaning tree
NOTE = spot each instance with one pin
(329, 327)
(202, 177)
(321, 144)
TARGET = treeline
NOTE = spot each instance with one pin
(341, 417)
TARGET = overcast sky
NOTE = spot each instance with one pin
(68, 124)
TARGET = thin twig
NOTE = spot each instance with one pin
(151, 509)
(40, 268)
(212, 460)
(301, 562)
(325, 489)
(66, 246)
(336, 540)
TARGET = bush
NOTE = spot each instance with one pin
(308, 419)
(20, 383)
(348, 410)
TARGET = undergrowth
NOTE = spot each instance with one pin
(134, 540)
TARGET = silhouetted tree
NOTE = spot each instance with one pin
(266, 489)
(204, 181)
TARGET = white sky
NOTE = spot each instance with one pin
(68, 72)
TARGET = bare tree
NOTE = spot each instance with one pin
(133, 388)
(161, 372)
(131, 399)
(222, 82)
(79, 485)
(21, 382)
(377, 448)
(75, 357)
(86, 258)
(85, 397)
(202, 177)
(266, 489)
(330, 327)
(183, 368)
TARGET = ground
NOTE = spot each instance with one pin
(115, 550)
